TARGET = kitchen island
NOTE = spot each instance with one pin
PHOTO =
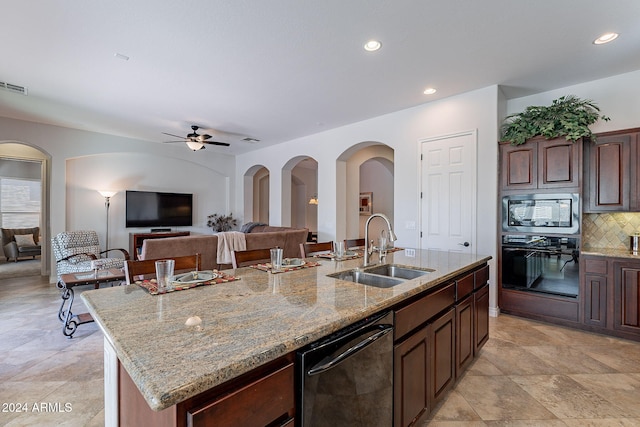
(246, 324)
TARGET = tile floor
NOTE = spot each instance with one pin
(528, 374)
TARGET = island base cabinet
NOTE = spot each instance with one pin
(263, 398)
(268, 401)
(424, 369)
(411, 381)
(465, 342)
(481, 317)
(442, 337)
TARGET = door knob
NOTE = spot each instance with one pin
(465, 244)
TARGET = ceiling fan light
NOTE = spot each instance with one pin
(194, 145)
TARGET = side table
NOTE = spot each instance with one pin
(71, 280)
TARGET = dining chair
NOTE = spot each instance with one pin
(147, 267)
(309, 249)
(353, 243)
(249, 257)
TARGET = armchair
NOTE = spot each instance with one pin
(74, 251)
(26, 244)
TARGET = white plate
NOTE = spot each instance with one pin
(292, 262)
(189, 278)
(346, 254)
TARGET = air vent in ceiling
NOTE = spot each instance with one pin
(13, 88)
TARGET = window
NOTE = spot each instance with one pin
(19, 202)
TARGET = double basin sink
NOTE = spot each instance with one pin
(381, 276)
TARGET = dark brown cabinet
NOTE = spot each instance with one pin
(436, 338)
(594, 291)
(611, 289)
(481, 317)
(627, 297)
(411, 379)
(442, 340)
(465, 342)
(541, 164)
(608, 173)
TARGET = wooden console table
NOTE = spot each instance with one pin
(136, 239)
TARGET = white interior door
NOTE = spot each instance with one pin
(448, 189)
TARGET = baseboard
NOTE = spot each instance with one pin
(494, 311)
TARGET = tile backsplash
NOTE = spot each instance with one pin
(609, 230)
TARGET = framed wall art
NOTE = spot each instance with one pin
(366, 207)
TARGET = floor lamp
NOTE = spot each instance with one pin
(107, 196)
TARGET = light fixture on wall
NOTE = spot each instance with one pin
(313, 200)
(107, 198)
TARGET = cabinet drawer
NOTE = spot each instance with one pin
(482, 277)
(464, 286)
(418, 312)
(595, 265)
(260, 402)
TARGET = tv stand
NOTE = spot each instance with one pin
(136, 240)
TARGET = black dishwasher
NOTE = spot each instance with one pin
(346, 379)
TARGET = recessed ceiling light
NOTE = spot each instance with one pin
(606, 38)
(372, 45)
(429, 91)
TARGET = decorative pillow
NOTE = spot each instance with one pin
(24, 240)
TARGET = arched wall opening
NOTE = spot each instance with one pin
(303, 187)
(256, 194)
(21, 151)
(367, 167)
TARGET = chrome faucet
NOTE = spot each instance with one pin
(392, 235)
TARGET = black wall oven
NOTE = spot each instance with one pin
(541, 263)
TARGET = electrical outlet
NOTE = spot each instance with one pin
(410, 225)
(410, 252)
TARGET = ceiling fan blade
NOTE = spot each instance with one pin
(224, 144)
(203, 137)
(175, 136)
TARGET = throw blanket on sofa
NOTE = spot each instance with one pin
(230, 241)
(246, 228)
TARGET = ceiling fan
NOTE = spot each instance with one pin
(196, 141)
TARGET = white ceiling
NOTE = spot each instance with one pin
(280, 69)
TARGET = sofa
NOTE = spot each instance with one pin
(27, 243)
(262, 237)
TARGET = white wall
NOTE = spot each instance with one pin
(617, 97)
(401, 131)
(96, 160)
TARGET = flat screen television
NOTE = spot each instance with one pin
(154, 209)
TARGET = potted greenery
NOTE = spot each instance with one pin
(219, 222)
(567, 116)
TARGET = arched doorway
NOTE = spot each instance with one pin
(256, 194)
(25, 168)
(304, 194)
(367, 167)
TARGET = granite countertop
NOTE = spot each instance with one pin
(245, 323)
(610, 252)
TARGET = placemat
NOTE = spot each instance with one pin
(267, 267)
(151, 285)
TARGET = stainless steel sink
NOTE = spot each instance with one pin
(400, 271)
(359, 276)
(382, 276)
